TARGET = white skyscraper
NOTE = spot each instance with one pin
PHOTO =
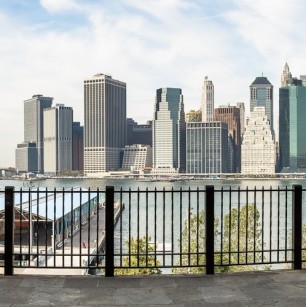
(58, 139)
(286, 77)
(207, 101)
(169, 134)
(104, 123)
(258, 151)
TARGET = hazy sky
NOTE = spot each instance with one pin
(50, 46)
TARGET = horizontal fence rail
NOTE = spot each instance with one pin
(108, 232)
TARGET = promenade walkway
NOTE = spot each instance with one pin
(273, 288)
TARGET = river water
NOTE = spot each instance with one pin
(133, 184)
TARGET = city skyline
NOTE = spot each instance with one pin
(49, 47)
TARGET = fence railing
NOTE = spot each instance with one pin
(152, 231)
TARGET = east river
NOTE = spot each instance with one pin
(134, 184)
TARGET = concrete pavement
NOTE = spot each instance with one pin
(273, 288)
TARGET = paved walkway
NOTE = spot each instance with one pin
(276, 288)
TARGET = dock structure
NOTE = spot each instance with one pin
(68, 229)
(84, 247)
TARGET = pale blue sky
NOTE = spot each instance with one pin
(50, 46)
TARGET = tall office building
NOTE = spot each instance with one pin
(231, 115)
(207, 101)
(261, 95)
(286, 76)
(292, 136)
(207, 148)
(258, 151)
(241, 107)
(77, 146)
(104, 123)
(58, 139)
(169, 131)
(34, 131)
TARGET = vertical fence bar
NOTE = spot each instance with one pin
(198, 225)
(109, 231)
(181, 226)
(172, 226)
(188, 228)
(122, 207)
(130, 225)
(286, 225)
(297, 226)
(9, 231)
(147, 226)
(138, 227)
(222, 211)
(210, 215)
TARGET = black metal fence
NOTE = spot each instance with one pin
(152, 231)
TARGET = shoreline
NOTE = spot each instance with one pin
(156, 178)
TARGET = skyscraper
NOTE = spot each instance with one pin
(231, 115)
(77, 146)
(258, 151)
(104, 123)
(207, 148)
(292, 136)
(169, 134)
(58, 139)
(261, 95)
(33, 132)
(286, 76)
(241, 107)
(207, 101)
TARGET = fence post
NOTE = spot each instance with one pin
(209, 229)
(109, 231)
(297, 226)
(9, 231)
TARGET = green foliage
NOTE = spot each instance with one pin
(193, 245)
(241, 231)
(142, 258)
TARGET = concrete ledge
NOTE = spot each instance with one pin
(275, 288)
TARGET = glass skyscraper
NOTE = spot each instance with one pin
(261, 95)
(292, 136)
(169, 134)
